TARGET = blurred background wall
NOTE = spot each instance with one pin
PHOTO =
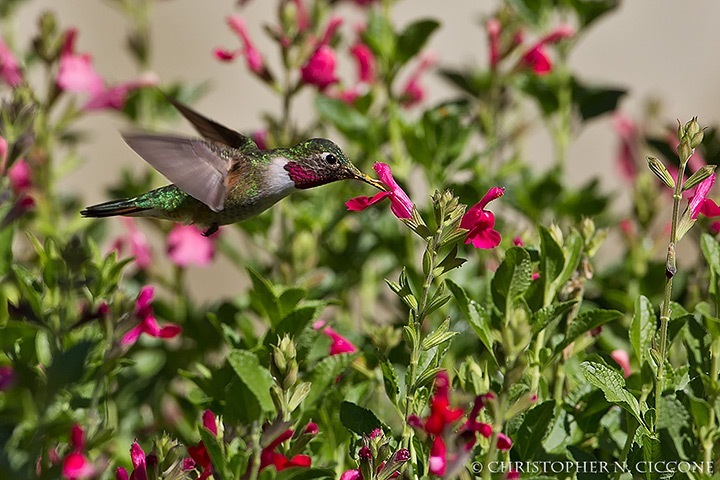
(655, 48)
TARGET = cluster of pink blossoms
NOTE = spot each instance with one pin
(479, 222)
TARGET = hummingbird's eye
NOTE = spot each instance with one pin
(330, 159)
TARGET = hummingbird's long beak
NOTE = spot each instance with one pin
(358, 175)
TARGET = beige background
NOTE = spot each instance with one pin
(661, 48)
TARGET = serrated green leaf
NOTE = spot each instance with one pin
(652, 454)
(296, 321)
(479, 319)
(585, 322)
(68, 367)
(512, 278)
(676, 419)
(612, 385)
(572, 251)
(255, 377)
(265, 294)
(413, 38)
(289, 299)
(533, 430)
(325, 372)
(390, 380)
(542, 318)
(642, 327)
(357, 419)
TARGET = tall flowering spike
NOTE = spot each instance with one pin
(148, 323)
(10, 72)
(187, 246)
(480, 222)
(400, 203)
(413, 92)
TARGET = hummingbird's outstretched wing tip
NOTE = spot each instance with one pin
(189, 163)
(212, 130)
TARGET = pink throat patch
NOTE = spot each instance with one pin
(303, 177)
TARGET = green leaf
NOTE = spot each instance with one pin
(344, 117)
(301, 473)
(585, 322)
(68, 367)
(290, 297)
(325, 372)
(379, 36)
(215, 450)
(675, 418)
(6, 255)
(296, 321)
(593, 101)
(255, 377)
(265, 294)
(542, 318)
(642, 327)
(357, 419)
(512, 278)
(652, 454)
(472, 83)
(552, 262)
(479, 320)
(390, 380)
(413, 38)
(533, 429)
(612, 385)
(439, 336)
(572, 252)
(711, 251)
(588, 11)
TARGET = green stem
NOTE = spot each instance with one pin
(633, 425)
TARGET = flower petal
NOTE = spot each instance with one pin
(437, 461)
(358, 204)
(76, 466)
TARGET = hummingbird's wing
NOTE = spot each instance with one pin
(189, 163)
(213, 130)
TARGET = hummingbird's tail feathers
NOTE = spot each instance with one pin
(113, 208)
(190, 163)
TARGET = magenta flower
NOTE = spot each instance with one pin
(493, 33)
(76, 465)
(700, 204)
(187, 246)
(253, 57)
(339, 344)
(400, 203)
(121, 474)
(113, 98)
(480, 222)
(365, 62)
(148, 323)
(351, 475)
(260, 138)
(20, 176)
(198, 453)
(512, 474)
(622, 358)
(10, 71)
(504, 443)
(269, 456)
(413, 92)
(7, 377)
(139, 245)
(628, 133)
(319, 70)
(537, 57)
(139, 463)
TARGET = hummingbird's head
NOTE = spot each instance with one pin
(319, 161)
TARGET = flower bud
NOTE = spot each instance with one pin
(660, 171)
(697, 139)
(587, 228)
(394, 465)
(684, 151)
(697, 177)
(366, 462)
(692, 127)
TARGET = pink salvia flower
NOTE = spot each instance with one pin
(561, 32)
(438, 462)
(76, 74)
(20, 176)
(413, 92)
(225, 55)
(186, 246)
(319, 70)
(137, 457)
(700, 204)
(113, 98)
(512, 474)
(7, 377)
(121, 474)
(493, 32)
(714, 228)
(139, 245)
(76, 466)
(480, 222)
(253, 57)
(538, 60)
(400, 203)
(260, 138)
(351, 475)
(622, 358)
(77, 437)
(627, 132)
(365, 62)
(339, 344)
(10, 72)
(148, 323)
(209, 422)
(503, 442)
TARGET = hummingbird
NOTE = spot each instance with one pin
(224, 177)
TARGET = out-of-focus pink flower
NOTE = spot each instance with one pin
(518, 241)
(20, 176)
(302, 19)
(7, 377)
(627, 132)
(260, 138)
(77, 466)
(339, 344)
(493, 33)
(121, 474)
(400, 203)
(186, 246)
(138, 459)
(413, 92)
(437, 462)
(351, 475)
(537, 58)
(139, 245)
(714, 227)
(512, 475)
(700, 204)
(148, 323)
(198, 453)
(503, 442)
(114, 98)
(311, 428)
(319, 70)
(10, 71)
(209, 422)
(622, 358)
(480, 222)
(253, 57)
(365, 62)
(77, 437)
(3, 154)
(225, 55)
